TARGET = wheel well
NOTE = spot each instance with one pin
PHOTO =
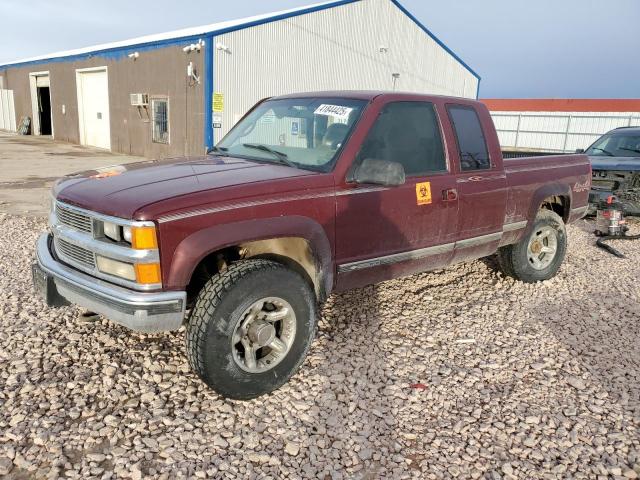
(558, 204)
(294, 252)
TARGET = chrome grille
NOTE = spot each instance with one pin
(74, 219)
(75, 253)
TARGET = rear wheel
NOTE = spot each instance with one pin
(251, 328)
(538, 256)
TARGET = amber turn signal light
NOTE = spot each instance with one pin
(148, 273)
(144, 238)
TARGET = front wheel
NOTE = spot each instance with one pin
(538, 256)
(251, 328)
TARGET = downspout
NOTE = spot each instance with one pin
(208, 92)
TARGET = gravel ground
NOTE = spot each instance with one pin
(458, 373)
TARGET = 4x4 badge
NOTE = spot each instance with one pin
(582, 187)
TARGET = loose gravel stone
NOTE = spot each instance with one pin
(515, 381)
(292, 448)
(6, 465)
(576, 383)
(630, 473)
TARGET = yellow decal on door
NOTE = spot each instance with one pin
(423, 193)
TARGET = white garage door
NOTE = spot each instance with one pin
(7, 111)
(93, 107)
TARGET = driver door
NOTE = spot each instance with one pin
(386, 232)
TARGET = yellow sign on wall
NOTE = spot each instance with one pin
(423, 193)
(218, 102)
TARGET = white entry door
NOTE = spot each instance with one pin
(93, 107)
(7, 111)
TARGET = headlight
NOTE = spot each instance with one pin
(112, 231)
(142, 237)
(116, 268)
(126, 233)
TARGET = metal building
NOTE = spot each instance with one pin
(558, 125)
(180, 92)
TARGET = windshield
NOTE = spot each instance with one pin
(616, 146)
(304, 133)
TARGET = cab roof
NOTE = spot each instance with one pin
(625, 131)
(369, 95)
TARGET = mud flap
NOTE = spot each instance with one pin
(45, 287)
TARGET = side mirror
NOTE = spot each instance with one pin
(580, 150)
(380, 172)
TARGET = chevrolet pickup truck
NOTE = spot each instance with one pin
(307, 195)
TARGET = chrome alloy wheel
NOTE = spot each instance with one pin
(542, 248)
(264, 334)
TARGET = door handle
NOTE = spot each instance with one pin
(450, 195)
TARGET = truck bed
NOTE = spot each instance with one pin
(528, 179)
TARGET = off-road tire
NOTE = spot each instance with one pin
(513, 259)
(217, 310)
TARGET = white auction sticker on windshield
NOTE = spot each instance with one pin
(335, 111)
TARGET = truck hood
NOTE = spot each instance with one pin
(121, 190)
(615, 163)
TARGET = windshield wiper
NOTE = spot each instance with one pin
(281, 156)
(604, 151)
(220, 150)
(629, 149)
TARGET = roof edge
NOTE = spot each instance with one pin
(436, 39)
(120, 48)
(138, 43)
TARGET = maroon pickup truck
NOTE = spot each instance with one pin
(307, 195)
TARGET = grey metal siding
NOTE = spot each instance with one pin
(354, 46)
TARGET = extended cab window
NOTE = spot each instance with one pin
(407, 133)
(305, 133)
(471, 141)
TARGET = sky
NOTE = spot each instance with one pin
(520, 48)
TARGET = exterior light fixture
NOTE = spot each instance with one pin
(194, 47)
(223, 47)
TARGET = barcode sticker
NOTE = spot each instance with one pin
(335, 111)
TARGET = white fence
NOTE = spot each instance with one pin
(7, 111)
(557, 131)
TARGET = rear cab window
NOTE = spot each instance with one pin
(470, 138)
(407, 132)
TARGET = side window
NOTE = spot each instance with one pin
(160, 110)
(407, 133)
(471, 141)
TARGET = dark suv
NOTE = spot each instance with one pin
(615, 162)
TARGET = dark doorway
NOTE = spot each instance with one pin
(44, 107)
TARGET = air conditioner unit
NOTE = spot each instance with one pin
(139, 99)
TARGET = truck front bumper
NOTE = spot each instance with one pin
(58, 284)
